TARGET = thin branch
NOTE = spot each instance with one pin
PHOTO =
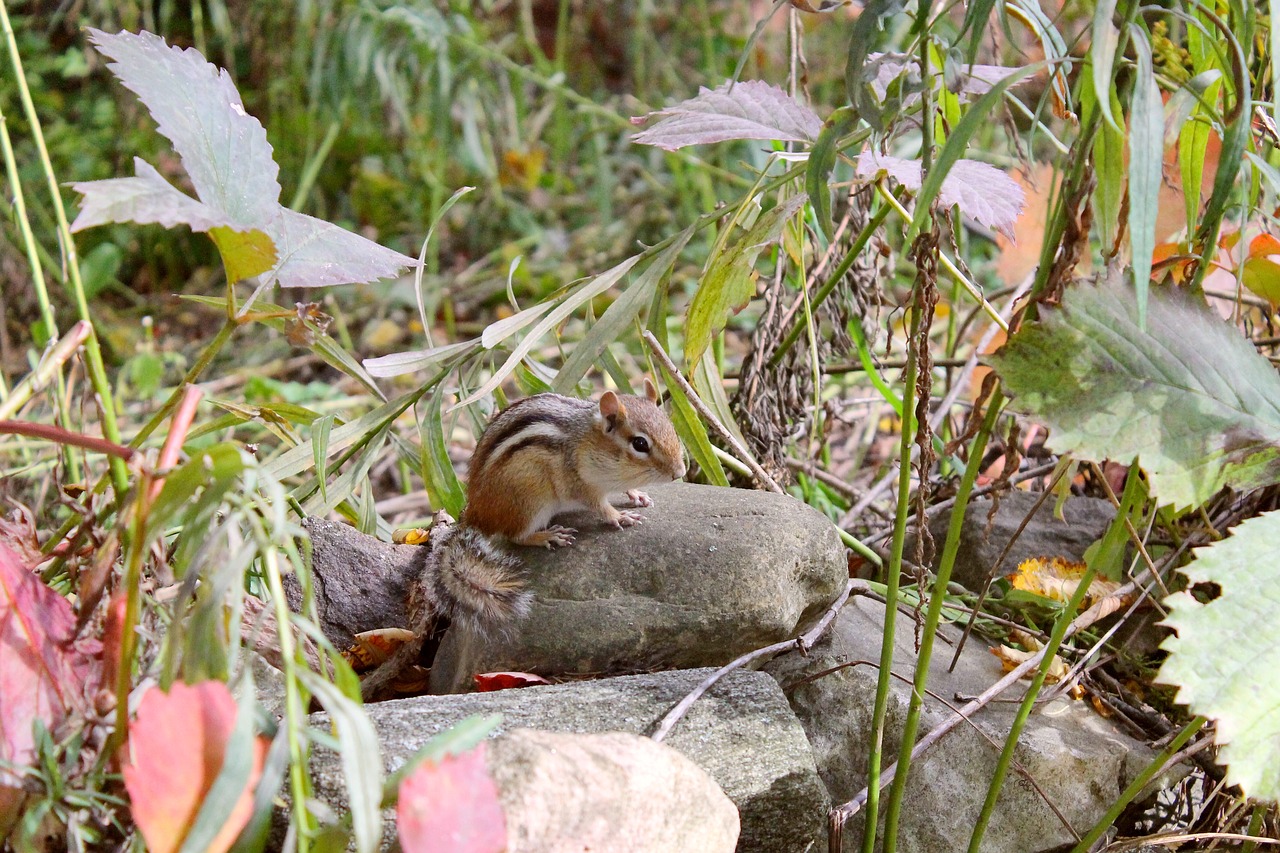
(804, 642)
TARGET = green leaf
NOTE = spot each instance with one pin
(1224, 655)
(1109, 165)
(693, 433)
(1102, 54)
(437, 471)
(730, 279)
(1146, 157)
(617, 317)
(1193, 142)
(1189, 396)
(360, 757)
(822, 159)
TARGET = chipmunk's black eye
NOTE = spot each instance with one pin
(640, 444)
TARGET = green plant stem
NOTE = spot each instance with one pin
(893, 574)
(1135, 787)
(912, 723)
(93, 352)
(1024, 710)
(295, 712)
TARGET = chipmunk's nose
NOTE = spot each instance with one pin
(681, 468)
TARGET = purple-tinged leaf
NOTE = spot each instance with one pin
(974, 79)
(197, 107)
(981, 191)
(226, 154)
(750, 110)
(315, 253)
(146, 199)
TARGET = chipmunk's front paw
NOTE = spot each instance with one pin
(639, 498)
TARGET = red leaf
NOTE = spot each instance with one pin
(176, 748)
(44, 675)
(451, 805)
(487, 681)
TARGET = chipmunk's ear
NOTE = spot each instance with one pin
(611, 409)
(650, 391)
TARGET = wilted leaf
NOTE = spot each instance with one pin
(226, 154)
(1011, 659)
(450, 805)
(44, 673)
(751, 109)
(488, 681)
(1057, 578)
(1189, 396)
(982, 192)
(372, 648)
(177, 745)
(1224, 656)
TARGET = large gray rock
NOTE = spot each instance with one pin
(563, 793)
(1079, 760)
(1083, 522)
(712, 573)
(742, 733)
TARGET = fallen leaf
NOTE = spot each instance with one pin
(488, 681)
(451, 805)
(374, 647)
(177, 745)
(1056, 578)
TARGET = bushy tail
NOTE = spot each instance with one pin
(475, 582)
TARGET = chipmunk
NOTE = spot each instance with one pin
(542, 456)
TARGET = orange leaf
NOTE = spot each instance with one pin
(451, 805)
(176, 748)
(1263, 245)
(45, 673)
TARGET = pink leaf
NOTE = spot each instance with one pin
(982, 192)
(451, 805)
(44, 675)
(750, 110)
(177, 744)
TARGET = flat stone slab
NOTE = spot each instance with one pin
(742, 733)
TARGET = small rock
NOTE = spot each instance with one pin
(712, 573)
(1079, 760)
(578, 792)
(741, 732)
